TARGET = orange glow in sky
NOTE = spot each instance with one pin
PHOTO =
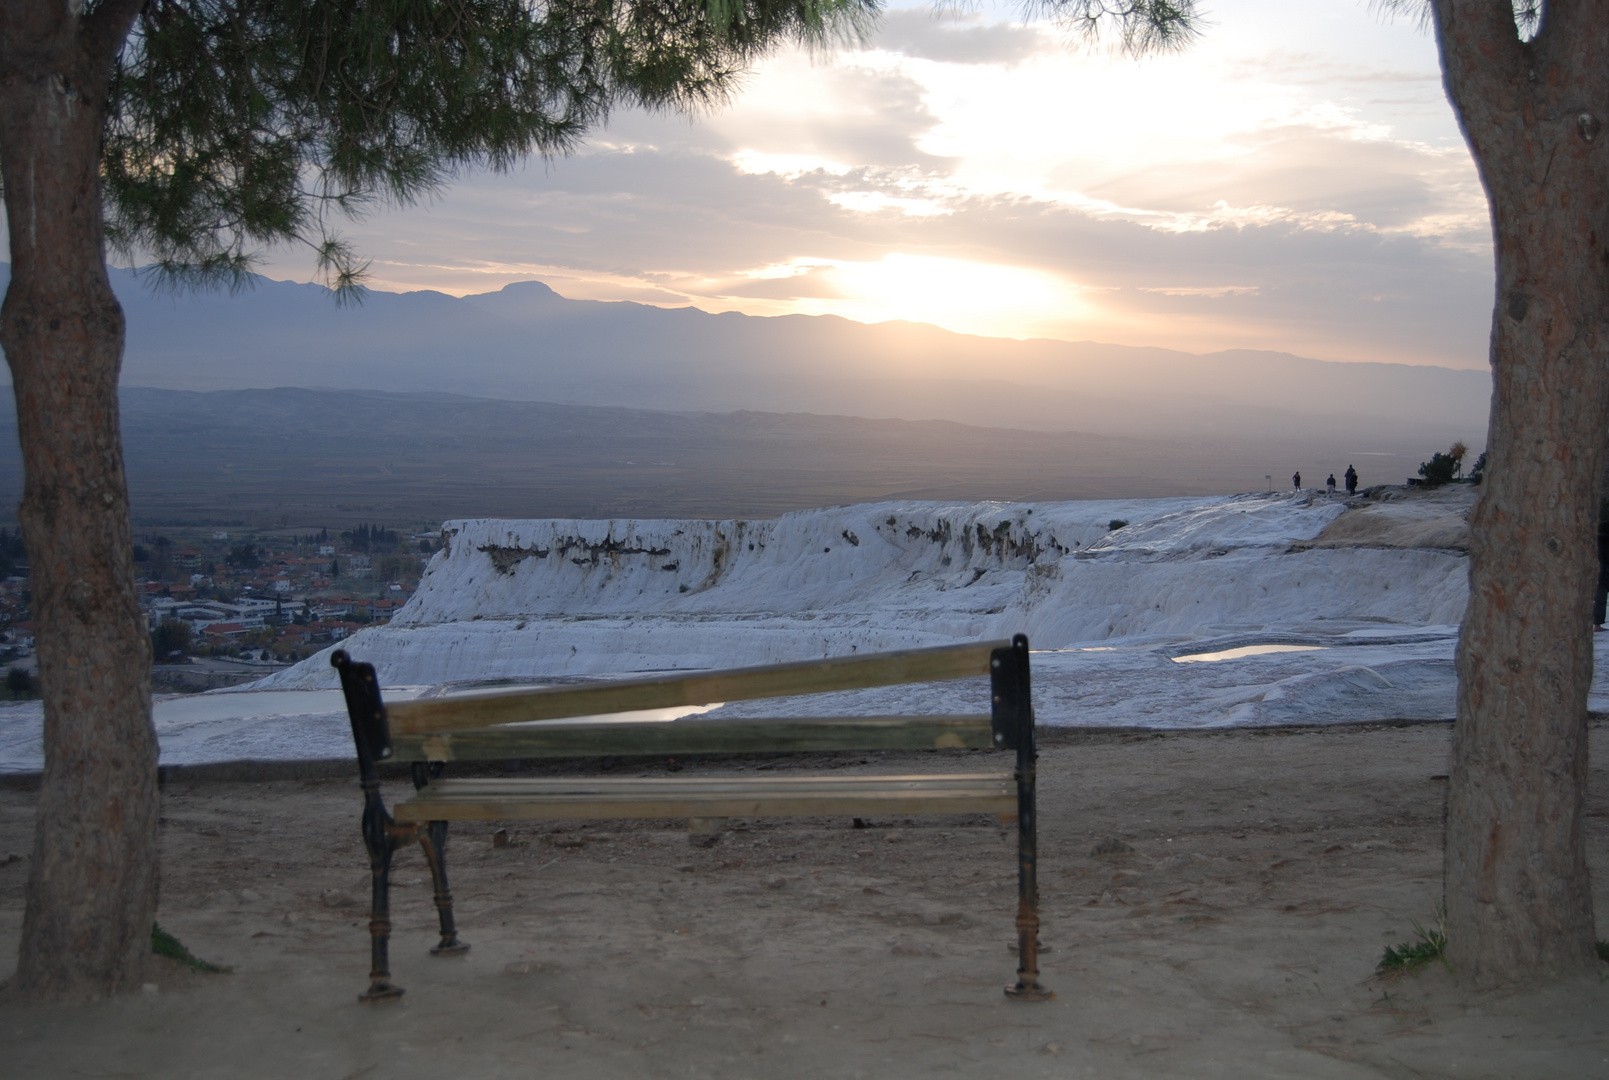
(1294, 182)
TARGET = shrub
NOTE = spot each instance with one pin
(22, 683)
(244, 557)
(171, 636)
(1444, 468)
(1116, 523)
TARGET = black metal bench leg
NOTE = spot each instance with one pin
(1027, 987)
(434, 842)
(382, 845)
(1014, 701)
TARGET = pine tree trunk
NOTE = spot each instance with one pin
(91, 891)
(1519, 904)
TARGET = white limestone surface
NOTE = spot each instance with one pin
(1365, 614)
(545, 599)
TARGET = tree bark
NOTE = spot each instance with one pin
(91, 892)
(1519, 904)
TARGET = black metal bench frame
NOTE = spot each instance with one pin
(465, 727)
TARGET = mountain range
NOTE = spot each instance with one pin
(274, 407)
(526, 342)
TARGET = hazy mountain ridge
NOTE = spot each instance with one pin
(528, 343)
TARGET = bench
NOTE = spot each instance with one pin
(541, 723)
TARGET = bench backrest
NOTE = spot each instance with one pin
(539, 722)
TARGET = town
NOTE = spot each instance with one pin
(222, 604)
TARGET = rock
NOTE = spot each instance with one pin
(337, 898)
(1110, 846)
(1180, 862)
(912, 948)
(149, 989)
(776, 881)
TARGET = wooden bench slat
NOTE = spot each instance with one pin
(698, 736)
(713, 796)
(471, 711)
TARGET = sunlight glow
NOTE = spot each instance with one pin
(1293, 182)
(967, 297)
(1244, 650)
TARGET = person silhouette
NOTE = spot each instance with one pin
(1329, 485)
(1296, 480)
(1351, 480)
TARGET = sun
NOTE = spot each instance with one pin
(967, 297)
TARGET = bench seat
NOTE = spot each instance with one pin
(765, 795)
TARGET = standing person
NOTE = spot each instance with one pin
(1329, 485)
(1296, 480)
(1351, 480)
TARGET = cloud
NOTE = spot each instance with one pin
(957, 37)
(1309, 194)
(682, 228)
(846, 114)
(794, 283)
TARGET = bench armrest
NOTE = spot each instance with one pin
(371, 733)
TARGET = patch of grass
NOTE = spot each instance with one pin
(165, 944)
(1412, 957)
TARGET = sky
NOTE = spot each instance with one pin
(1295, 181)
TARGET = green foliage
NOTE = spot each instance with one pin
(237, 124)
(171, 636)
(1478, 473)
(399, 567)
(1438, 470)
(1444, 468)
(1411, 957)
(244, 557)
(1116, 523)
(374, 538)
(234, 124)
(1139, 26)
(165, 944)
(22, 683)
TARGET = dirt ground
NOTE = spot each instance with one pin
(1238, 938)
